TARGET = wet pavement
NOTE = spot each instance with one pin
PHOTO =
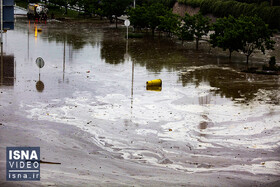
(208, 117)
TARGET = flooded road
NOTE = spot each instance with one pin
(207, 118)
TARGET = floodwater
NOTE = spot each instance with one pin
(208, 116)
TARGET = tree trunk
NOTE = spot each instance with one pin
(196, 43)
(247, 59)
(66, 8)
(116, 22)
(230, 54)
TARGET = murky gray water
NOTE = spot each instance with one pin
(208, 116)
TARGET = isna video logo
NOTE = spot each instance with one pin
(23, 163)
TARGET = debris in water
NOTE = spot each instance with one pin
(165, 161)
(46, 162)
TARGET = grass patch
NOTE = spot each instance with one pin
(135, 35)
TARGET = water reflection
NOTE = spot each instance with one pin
(113, 51)
(204, 101)
(55, 31)
(158, 54)
(7, 72)
(230, 83)
(40, 86)
(154, 54)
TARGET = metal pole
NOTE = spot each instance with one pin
(63, 60)
(2, 65)
(1, 23)
(127, 32)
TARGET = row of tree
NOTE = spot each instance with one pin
(110, 9)
(153, 16)
(221, 8)
(243, 34)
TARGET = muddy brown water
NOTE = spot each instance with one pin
(208, 117)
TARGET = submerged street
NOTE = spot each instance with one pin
(88, 109)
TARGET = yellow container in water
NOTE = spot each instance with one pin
(156, 82)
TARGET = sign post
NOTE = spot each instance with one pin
(127, 23)
(1, 31)
(40, 63)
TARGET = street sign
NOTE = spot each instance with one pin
(127, 23)
(40, 62)
(8, 14)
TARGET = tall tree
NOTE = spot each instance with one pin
(201, 27)
(115, 8)
(194, 27)
(184, 30)
(226, 35)
(255, 35)
(154, 12)
(169, 22)
(137, 16)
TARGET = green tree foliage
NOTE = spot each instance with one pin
(226, 34)
(223, 8)
(168, 3)
(201, 27)
(115, 8)
(64, 3)
(90, 6)
(193, 27)
(153, 14)
(255, 35)
(185, 30)
(246, 34)
(137, 16)
(169, 22)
